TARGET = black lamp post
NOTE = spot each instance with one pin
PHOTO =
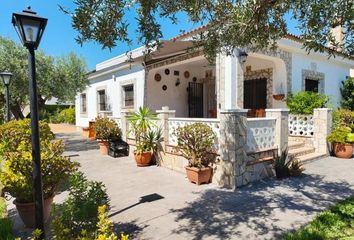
(30, 28)
(6, 79)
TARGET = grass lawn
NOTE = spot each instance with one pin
(5, 223)
(336, 223)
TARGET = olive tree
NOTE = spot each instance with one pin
(255, 24)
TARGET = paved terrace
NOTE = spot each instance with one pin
(176, 209)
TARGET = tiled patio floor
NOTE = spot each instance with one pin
(264, 210)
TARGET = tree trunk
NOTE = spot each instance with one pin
(17, 111)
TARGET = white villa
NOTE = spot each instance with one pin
(196, 91)
(187, 83)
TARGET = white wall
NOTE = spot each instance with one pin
(112, 82)
(334, 71)
(175, 97)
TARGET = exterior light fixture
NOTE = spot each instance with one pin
(6, 80)
(30, 27)
(242, 56)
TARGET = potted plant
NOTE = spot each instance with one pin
(195, 143)
(106, 130)
(296, 168)
(154, 139)
(141, 122)
(16, 171)
(342, 139)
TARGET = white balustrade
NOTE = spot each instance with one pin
(301, 125)
(260, 134)
(174, 123)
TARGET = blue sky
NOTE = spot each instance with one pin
(59, 37)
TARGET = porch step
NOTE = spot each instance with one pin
(295, 145)
(311, 157)
(300, 151)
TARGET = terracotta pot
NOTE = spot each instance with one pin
(279, 97)
(104, 146)
(343, 150)
(144, 159)
(199, 175)
(27, 212)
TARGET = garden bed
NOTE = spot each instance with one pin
(336, 223)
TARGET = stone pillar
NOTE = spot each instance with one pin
(322, 121)
(232, 148)
(164, 115)
(124, 120)
(281, 127)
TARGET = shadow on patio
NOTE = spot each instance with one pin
(264, 209)
(75, 143)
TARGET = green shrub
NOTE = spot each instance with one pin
(16, 152)
(340, 135)
(343, 117)
(78, 215)
(66, 116)
(107, 129)
(50, 113)
(347, 91)
(305, 102)
(195, 143)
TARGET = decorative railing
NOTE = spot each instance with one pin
(174, 123)
(301, 125)
(260, 134)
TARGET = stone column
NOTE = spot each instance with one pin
(232, 148)
(230, 81)
(164, 115)
(124, 120)
(322, 121)
(281, 127)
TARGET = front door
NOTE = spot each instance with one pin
(195, 100)
(255, 96)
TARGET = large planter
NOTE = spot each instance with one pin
(144, 159)
(199, 175)
(27, 211)
(343, 150)
(104, 146)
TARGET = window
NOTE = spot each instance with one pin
(311, 85)
(83, 102)
(102, 100)
(128, 96)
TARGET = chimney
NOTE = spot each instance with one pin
(338, 34)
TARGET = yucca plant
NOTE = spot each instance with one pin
(142, 121)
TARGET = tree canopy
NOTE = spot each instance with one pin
(59, 77)
(254, 24)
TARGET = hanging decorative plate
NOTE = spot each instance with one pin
(157, 77)
(186, 74)
(176, 73)
(164, 87)
(167, 71)
(194, 79)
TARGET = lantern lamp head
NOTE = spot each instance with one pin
(29, 27)
(6, 78)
